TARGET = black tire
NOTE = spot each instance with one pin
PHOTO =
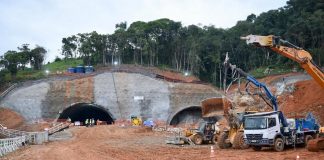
(238, 142)
(214, 139)
(307, 139)
(197, 139)
(279, 145)
(222, 141)
(256, 148)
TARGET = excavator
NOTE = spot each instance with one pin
(214, 107)
(289, 50)
(299, 55)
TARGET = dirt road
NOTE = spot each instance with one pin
(123, 143)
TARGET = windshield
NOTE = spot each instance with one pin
(255, 123)
(201, 126)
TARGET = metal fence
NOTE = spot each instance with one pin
(11, 144)
(3, 94)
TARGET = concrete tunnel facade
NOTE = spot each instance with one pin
(119, 94)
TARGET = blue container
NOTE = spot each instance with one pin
(79, 69)
(71, 70)
(89, 69)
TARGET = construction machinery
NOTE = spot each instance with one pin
(206, 133)
(272, 129)
(221, 106)
(290, 51)
(317, 144)
(211, 107)
(298, 55)
(136, 121)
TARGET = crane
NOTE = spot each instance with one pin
(290, 51)
(304, 58)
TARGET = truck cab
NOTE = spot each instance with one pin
(260, 129)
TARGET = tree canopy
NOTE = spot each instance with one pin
(198, 50)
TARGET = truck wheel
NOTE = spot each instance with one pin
(307, 139)
(238, 142)
(197, 139)
(279, 145)
(214, 139)
(222, 141)
(256, 148)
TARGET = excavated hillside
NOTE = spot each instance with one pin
(307, 96)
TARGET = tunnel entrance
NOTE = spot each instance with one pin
(190, 115)
(82, 111)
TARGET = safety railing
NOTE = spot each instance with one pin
(3, 94)
(58, 127)
(18, 138)
(11, 144)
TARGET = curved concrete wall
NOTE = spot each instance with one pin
(123, 94)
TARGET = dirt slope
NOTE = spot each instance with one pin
(10, 118)
(308, 96)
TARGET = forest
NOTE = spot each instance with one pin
(197, 49)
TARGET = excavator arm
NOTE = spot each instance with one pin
(290, 51)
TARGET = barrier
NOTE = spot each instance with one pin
(18, 138)
(3, 94)
(58, 127)
(11, 144)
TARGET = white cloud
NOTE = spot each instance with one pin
(46, 22)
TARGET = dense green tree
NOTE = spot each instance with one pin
(38, 54)
(200, 50)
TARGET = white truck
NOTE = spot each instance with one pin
(272, 129)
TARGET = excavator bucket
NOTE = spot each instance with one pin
(217, 106)
(315, 145)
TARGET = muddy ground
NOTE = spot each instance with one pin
(123, 143)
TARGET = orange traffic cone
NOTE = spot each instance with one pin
(212, 153)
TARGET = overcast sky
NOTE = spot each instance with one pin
(46, 22)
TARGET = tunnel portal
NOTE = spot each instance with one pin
(189, 115)
(82, 111)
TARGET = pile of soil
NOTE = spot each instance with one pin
(10, 118)
(308, 96)
(13, 120)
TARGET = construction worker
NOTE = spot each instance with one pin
(86, 122)
(92, 122)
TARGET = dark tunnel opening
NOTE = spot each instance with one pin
(82, 111)
(189, 115)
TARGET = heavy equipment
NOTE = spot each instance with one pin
(136, 121)
(215, 106)
(297, 54)
(205, 133)
(317, 144)
(272, 129)
(290, 51)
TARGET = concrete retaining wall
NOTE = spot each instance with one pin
(123, 94)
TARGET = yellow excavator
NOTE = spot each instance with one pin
(229, 137)
(299, 55)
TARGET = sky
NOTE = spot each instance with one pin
(46, 22)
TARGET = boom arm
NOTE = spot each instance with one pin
(255, 82)
(293, 52)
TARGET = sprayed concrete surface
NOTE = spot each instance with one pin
(121, 94)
